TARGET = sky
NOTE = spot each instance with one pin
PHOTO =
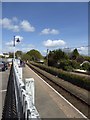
(44, 25)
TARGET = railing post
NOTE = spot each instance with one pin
(29, 84)
(25, 93)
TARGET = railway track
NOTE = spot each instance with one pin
(74, 100)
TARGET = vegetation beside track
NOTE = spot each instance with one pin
(80, 81)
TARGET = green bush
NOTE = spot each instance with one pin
(74, 64)
(86, 66)
(80, 81)
(68, 65)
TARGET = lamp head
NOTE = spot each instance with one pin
(17, 40)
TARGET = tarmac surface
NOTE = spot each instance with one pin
(48, 102)
(3, 88)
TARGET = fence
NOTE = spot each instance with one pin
(19, 101)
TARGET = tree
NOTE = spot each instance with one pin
(35, 55)
(65, 65)
(56, 56)
(74, 64)
(51, 60)
(19, 54)
(80, 59)
(10, 55)
(59, 55)
(25, 57)
(74, 54)
(86, 58)
(86, 66)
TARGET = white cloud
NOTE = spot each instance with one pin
(10, 43)
(16, 28)
(53, 31)
(16, 25)
(8, 46)
(5, 22)
(8, 49)
(44, 52)
(47, 31)
(83, 50)
(15, 19)
(8, 24)
(26, 47)
(26, 26)
(54, 43)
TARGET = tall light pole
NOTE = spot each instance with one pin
(17, 40)
(14, 46)
(47, 56)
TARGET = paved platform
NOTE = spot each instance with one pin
(48, 103)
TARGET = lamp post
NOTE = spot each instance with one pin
(17, 40)
(47, 56)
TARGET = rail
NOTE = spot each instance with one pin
(19, 101)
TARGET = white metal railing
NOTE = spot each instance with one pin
(25, 92)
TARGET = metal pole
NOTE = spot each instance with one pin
(14, 47)
(47, 57)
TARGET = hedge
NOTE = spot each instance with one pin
(80, 81)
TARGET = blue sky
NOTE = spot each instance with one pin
(45, 25)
